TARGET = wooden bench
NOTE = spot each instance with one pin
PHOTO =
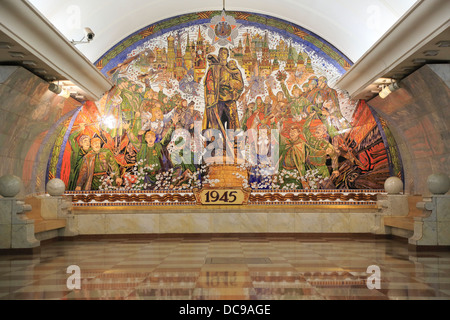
(406, 222)
(41, 224)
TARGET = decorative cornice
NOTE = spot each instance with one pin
(24, 24)
(424, 21)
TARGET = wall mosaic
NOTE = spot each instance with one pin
(224, 100)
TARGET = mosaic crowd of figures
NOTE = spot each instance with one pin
(183, 100)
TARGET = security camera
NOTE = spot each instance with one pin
(89, 34)
(53, 87)
(88, 37)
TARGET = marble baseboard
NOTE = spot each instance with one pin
(221, 222)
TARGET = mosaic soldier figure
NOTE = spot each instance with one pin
(297, 102)
(318, 148)
(97, 164)
(81, 145)
(293, 152)
(153, 156)
(223, 86)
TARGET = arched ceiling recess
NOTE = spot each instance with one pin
(351, 26)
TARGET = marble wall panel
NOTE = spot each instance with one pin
(229, 222)
(5, 235)
(281, 222)
(201, 223)
(443, 234)
(420, 124)
(226, 222)
(132, 223)
(29, 111)
(254, 222)
(91, 224)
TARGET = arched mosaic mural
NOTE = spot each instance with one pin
(227, 101)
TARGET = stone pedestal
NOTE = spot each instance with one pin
(65, 211)
(16, 230)
(389, 205)
(59, 207)
(225, 176)
(434, 228)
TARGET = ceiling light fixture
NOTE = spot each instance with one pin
(40, 71)
(5, 45)
(53, 87)
(64, 93)
(443, 44)
(59, 90)
(419, 61)
(387, 90)
(29, 63)
(431, 53)
(19, 55)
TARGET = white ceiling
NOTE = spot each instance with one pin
(352, 26)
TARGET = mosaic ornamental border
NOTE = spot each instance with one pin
(337, 198)
(245, 18)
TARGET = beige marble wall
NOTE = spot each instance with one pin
(345, 221)
(434, 228)
(29, 112)
(16, 231)
(418, 115)
(443, 217)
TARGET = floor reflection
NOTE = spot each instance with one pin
(260, 268)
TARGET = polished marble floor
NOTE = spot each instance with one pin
(226, 268)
